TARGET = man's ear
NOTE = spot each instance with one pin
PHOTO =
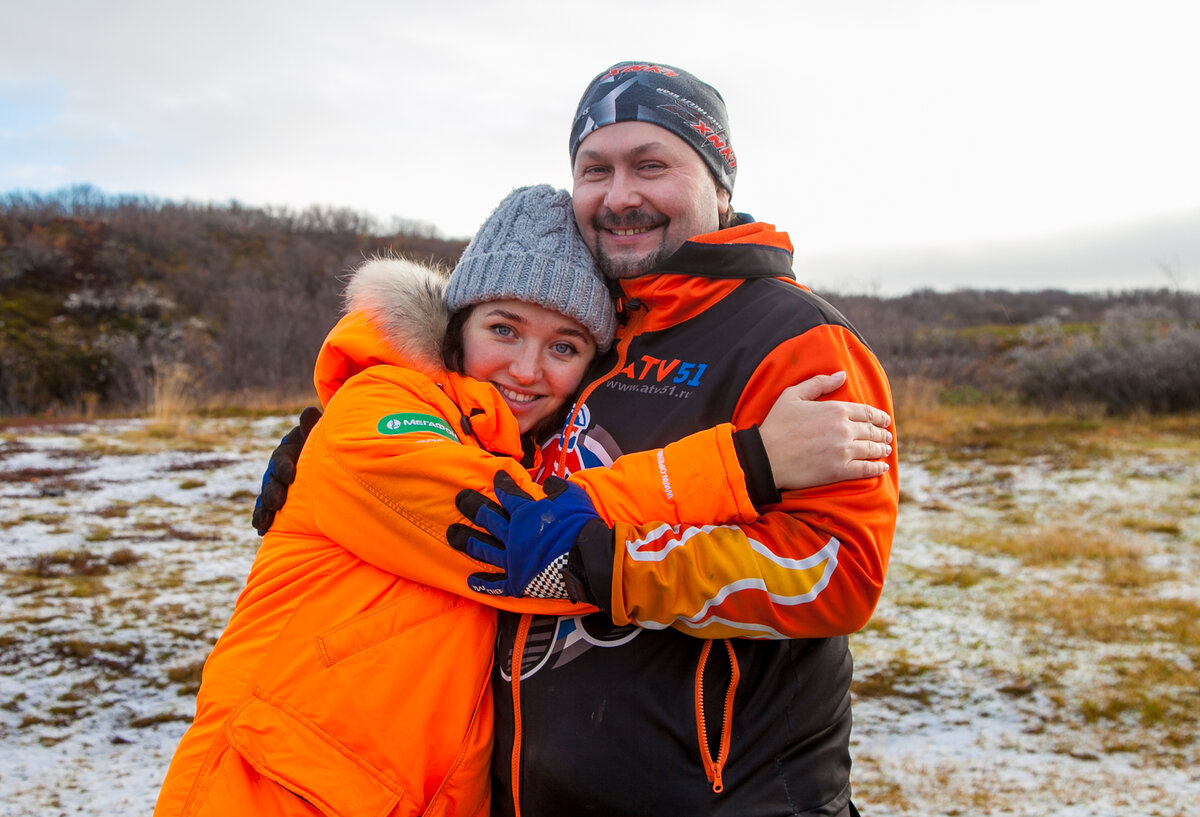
(724, 207)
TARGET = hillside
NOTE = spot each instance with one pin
(116, 305)
(104, 299)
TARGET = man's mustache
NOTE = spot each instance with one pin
(633, 220)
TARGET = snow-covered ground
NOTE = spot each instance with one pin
(100, 653)
(123, 547)
(995, 680)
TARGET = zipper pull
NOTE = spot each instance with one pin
(718, 786)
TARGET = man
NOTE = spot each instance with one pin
(635, 710)
(716, 678)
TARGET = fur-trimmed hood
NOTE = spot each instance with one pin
(404, 300)
(395, 314)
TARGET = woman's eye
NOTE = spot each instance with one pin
(565, 349)
(503, 330)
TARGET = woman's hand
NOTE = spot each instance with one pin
(814, 442)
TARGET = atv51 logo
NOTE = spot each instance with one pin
(685, 374)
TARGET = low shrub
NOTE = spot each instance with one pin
(1137, 359)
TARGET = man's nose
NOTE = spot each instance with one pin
(623, 192)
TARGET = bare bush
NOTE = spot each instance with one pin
(99, 295)
(1140, 358)
(98, 291)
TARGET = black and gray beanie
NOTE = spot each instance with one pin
(665, 96)
(529, 249)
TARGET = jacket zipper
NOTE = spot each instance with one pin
(622, 349)
(518, 659)
(713, 768)
(527, 619)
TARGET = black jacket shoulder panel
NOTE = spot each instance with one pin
(727, 261)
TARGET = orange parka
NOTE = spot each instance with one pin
(352, 678)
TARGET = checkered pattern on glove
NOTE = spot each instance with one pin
(550, 583)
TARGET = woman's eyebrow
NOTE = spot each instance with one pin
(504, 313)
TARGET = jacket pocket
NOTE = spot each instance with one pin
(376, 625)
(283, 746)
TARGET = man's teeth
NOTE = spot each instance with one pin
(517, 397)
(631, 231)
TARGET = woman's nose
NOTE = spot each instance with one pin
(526, 366)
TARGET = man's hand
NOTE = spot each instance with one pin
(814, 442)
(527, 539)
(281, 471)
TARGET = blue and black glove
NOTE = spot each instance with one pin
(528, 539)
(281, 471)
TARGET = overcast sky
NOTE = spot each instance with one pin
(1010, 144)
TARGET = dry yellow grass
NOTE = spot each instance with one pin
(1106, 618)
(1054, 544)
(1002, 431)
(257, 403)
(171, 390)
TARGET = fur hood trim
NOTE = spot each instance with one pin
(404, 301)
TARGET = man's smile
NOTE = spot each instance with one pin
(627, 231)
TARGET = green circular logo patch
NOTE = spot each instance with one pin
(395, 424)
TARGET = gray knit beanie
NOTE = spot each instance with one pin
(529, 249)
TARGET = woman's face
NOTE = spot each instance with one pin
(535, 357)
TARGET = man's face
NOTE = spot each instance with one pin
(640, 192)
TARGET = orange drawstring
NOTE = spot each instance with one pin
(517, 659)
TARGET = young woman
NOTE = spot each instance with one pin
(353, 675)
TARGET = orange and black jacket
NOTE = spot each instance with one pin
(353, 675)
(716, 679)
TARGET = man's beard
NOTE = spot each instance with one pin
(618, 268)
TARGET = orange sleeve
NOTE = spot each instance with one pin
(695, 480)
(389, 497)
(811, 566)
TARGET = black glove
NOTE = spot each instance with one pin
(281, 471)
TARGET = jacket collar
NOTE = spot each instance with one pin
(706, 269)
(751, 250)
